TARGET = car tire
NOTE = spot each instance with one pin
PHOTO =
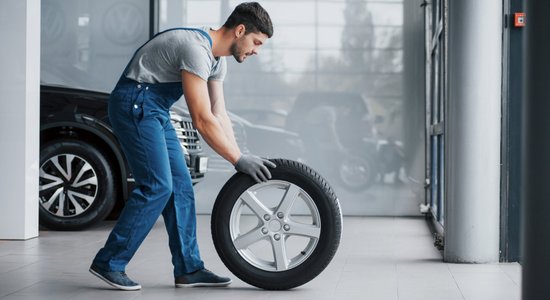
(76, 185)
(279, 234)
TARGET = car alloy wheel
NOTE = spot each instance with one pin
(68, 185)
(278, 234)
(76, 185)
(274, 226)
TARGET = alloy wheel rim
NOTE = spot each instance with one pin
(68, 185)
(275, 226)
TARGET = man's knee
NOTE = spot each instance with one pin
(164, 189)
(157, 190)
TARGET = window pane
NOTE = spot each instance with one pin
(87, 43)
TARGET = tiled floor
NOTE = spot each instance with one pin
(379, 258)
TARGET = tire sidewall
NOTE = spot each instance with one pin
(105, 197)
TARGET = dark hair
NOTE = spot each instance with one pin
(253, 16)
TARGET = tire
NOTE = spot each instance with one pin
(268, 249)
(356, 174)
(76, 185)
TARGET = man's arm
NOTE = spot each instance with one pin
(217, 101)
(212, 129)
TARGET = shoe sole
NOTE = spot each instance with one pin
(121, 287)
(203, 284)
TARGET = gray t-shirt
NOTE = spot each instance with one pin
(164, 57)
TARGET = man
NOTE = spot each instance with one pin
(189, 61)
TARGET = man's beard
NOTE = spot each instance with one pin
(236, 52)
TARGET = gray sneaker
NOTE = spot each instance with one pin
(117, 279)
(202, 278)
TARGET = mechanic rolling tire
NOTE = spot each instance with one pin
(279, 234)
(76, 185)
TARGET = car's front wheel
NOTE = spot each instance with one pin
(76, 185)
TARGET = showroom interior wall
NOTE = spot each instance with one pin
(19, 83)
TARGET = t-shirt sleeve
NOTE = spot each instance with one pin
(220, 70)
(195, 59)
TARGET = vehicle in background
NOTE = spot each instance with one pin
(267, 117)
(83, 171)
(339, 136)
(264, 141)
(268, 141)
(261, 140)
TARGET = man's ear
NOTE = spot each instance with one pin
(240, 30)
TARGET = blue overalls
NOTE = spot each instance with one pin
(139, 114)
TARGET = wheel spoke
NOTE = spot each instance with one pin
(288, 199)
(91, 180)
(50, 201)
(61, 205)
(311, 231)
(55, 161)
(249, 238)
(48, 186)
(87, 198)
(49, 176)
(55, 180)
(78, 208)
(279, 253)
(70, 158)
(255, 204)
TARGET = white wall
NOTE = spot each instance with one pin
(19, 117)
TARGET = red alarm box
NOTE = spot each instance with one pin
(519, 19)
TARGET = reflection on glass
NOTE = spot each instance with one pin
(332, 87)
(333, 75)
(87, 43)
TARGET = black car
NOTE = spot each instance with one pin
(83, 172)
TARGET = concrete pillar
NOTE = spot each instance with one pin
(19, 117)
(535, 149)
(473, 131)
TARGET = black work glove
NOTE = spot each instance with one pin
(255, 166)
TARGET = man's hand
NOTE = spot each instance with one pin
(255, 166)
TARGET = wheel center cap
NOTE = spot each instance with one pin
(274, 226)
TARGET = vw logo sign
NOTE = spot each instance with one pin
(124, 23)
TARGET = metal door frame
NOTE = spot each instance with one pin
(512, 75)
(436, 13)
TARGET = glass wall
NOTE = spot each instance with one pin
(87, 43)
(340, 86)
(328, 89)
